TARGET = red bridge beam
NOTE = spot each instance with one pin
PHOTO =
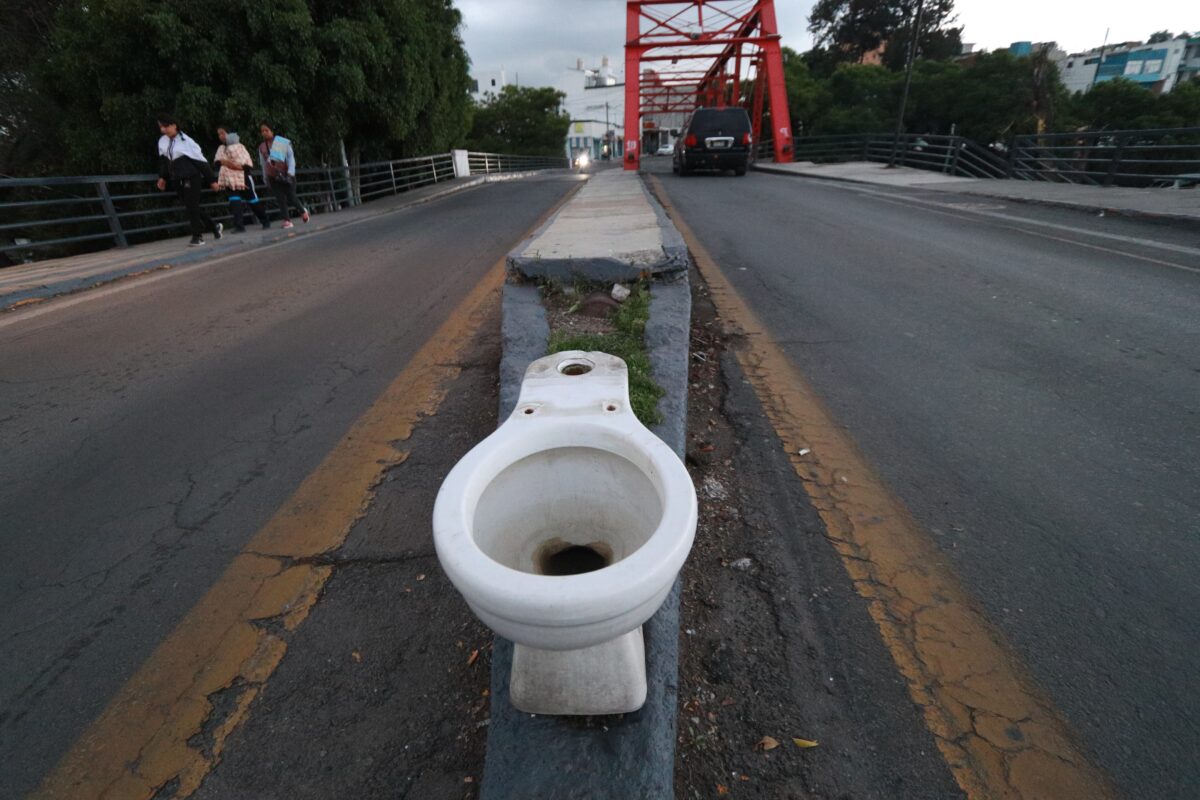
(700, 38)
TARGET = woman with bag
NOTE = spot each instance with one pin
(182, 165)
(279, 171)
(236, 176)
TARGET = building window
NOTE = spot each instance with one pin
(1153, 66)
(1133, 68)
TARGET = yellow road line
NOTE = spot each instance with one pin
(1000, 736)
(148, 735)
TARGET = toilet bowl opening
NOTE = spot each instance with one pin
(561, 558)
(567, 511)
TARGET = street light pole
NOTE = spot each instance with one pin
(912, 54)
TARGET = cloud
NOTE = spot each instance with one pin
(540, 40)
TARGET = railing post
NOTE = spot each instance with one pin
(1012, 157)
(110, 211)
(433, 169)
(958, 146)
(334, 205)
(1115, 164)
(392, 170)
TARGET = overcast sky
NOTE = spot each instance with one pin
(539, 39)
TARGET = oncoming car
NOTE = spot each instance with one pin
(714, 138)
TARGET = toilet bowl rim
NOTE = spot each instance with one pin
(539, 599)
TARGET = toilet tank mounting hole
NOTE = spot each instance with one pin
(576, 366)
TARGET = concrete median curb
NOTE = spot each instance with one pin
(623, 756)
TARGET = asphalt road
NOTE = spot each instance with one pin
(1027, 381)
(148, 431)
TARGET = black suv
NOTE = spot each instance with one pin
(714, 138)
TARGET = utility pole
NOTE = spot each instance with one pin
(1100, 61)
(912, 55)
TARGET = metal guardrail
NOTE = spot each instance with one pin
(489, 163)
(54, 216)
(950, 155)
(1139, 158)
(1142, 158)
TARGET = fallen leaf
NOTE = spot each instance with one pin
(486, 692)
(768, 743)
(468, 779)
(471, 659)
(728, 701)
(743, 777)
(421, 577)
(708, 448)
(722, 789)
(804, 743)
(357, 656)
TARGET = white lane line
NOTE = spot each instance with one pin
(1177, 248)
(1109, 250)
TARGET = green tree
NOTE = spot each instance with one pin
(866, 99)
(521, 119)
(851, 28)
(807, 96)
(1180, 108)
(388, 77)
(1118, 104)
(1160, 36)
(24, 34)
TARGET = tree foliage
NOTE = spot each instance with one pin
(990, 97)
(387, 77)
(520, 119)
(849, 29)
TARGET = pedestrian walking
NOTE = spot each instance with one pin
(236, 176)
(279, 171)
(183, 167)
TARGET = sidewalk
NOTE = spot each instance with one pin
(1162, 204)
(42, 280)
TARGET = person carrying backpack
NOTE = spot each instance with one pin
(236, 176)
(182, 166)
(279, 171)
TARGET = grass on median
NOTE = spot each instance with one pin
(626, 342)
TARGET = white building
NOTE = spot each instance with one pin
(596, 103)
(1157, 66)
(483, 83)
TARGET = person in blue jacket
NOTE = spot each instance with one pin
(279, 171)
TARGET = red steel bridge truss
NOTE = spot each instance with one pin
(684, 54)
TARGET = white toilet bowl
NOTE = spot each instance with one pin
(564, 531)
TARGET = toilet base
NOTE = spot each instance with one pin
(608, 678)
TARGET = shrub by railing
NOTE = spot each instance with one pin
(50, 217)
(1159, 157)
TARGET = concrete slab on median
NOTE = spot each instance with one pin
(612, 230)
